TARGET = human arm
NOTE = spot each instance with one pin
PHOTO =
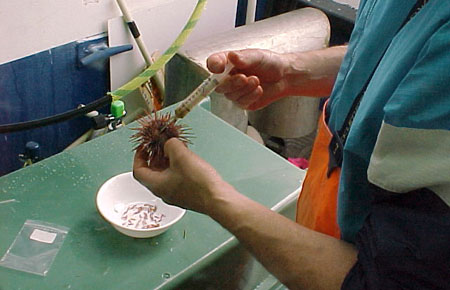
(261, 77)
(298, 257)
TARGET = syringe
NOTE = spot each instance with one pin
(202, 91)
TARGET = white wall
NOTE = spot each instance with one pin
(31, 26)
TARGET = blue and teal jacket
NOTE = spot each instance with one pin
(399, 140)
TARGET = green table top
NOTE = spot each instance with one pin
(62, 189)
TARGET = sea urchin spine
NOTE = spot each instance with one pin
(155, 130)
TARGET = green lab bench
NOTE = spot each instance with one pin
(194, 253)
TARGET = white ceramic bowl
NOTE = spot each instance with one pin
(118, 192)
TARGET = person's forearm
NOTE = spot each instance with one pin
(313, 73)
(300, 258)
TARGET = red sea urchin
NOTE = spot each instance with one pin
(155, 130)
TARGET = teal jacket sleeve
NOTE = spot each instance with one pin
(412, 150)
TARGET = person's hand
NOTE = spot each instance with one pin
(257, 77)
(188, 182)
(260, 77)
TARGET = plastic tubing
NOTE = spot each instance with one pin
(14, 127)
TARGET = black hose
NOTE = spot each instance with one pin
(14, 127)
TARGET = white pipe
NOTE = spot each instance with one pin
(141, 44)
(251, 11)
(83, 138)
(129, 19)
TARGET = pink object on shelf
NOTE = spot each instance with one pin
(302, 163)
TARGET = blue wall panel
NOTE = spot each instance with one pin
(42, 85)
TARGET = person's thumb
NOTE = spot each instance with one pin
(216, 62)
(174, 147)
(245, 59)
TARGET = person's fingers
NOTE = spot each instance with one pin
(260, 103)
(240, 95)
(270, 93)
(241, 59)
(232, 84)
(140, 159)
(142, 173)
(248, 100)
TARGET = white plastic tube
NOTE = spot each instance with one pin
(138, 38)
(251, 11)
(141, 44)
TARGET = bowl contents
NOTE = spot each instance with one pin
(141, 215)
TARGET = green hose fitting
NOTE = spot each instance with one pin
(118, 109)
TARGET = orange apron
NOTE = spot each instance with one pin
(317, 203)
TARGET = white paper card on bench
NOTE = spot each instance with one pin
(43, 236)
